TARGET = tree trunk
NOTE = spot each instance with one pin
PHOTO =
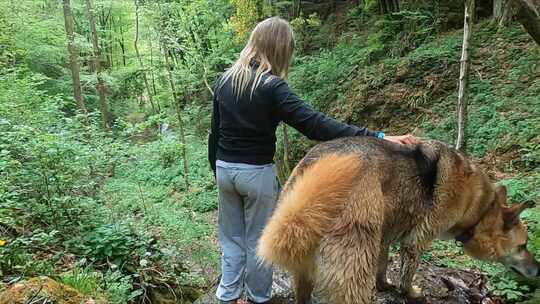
(74, 59)
(501, 11)
(464, 76)
(103, 105)
(122, 45)
(141, 64)
(286, 151)
(152, 68)
(176, 102)
(528, 15)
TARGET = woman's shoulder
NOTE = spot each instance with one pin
(272, 82)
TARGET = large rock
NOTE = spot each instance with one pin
(43, 290)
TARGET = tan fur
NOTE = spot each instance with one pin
(339, 213)
(306, 211)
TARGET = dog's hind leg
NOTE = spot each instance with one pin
(382, 282)
(303, 286)
(347, 265)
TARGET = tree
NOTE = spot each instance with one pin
(176, 102)
(73, 52)
(501, 11)
(103, 105)
(141, 64)
(525, 12)
(388, 6)
(464, 76)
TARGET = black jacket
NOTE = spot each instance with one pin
(243, 130)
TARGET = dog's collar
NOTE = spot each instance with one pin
(468, 234)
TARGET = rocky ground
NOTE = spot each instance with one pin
(441, 285)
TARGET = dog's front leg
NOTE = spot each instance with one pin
(410, 259)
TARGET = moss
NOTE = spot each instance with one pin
(45, 289)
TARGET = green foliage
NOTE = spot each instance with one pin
(406, 30)
(114, 243)
(83, 280)
(118, 287)
(504, 284)
(305, 31)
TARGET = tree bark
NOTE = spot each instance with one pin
(73, 52)
(528, 15)
(176, 102)
(286, 151)
(122, 44)
(152, 76)
(103, 104)
(141, 64)
(464, 76)
(501, 11)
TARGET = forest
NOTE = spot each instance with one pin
(106, 193)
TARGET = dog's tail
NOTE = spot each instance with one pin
(307, 209)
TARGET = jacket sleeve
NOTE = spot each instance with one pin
(214, 135)
(315, 125)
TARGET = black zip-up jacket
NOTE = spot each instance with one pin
(243, 130)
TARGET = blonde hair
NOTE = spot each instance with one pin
(271, 46)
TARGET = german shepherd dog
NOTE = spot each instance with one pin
(349, 199)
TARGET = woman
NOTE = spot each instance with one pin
(251, 99)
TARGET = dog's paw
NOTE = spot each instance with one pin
(415, 296)
(385, 285)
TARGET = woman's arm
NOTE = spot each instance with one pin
(315, 125)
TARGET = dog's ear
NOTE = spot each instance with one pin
(427, 159)
(464, 164)
(511, 215)
(502, 194)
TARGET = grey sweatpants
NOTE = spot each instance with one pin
(247, 198)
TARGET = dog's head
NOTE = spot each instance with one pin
(502, 237)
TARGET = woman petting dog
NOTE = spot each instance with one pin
(251, 98)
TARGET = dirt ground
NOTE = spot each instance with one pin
(440, 285)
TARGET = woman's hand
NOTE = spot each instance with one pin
(407, 139)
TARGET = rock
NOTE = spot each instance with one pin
(441, 286)
(281, 290)
(44, 290)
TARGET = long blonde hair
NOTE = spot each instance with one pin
(271, 46)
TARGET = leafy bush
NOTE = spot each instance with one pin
(114, 243)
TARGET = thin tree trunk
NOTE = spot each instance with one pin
(286, 150)
(382, 7)
(500, 9)
(396, 5)
(74, 59)
(178, 113)
(122, 44)
(464, 76)
(135, 44)
(152, 67)
(111, 42)
(103, 105)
